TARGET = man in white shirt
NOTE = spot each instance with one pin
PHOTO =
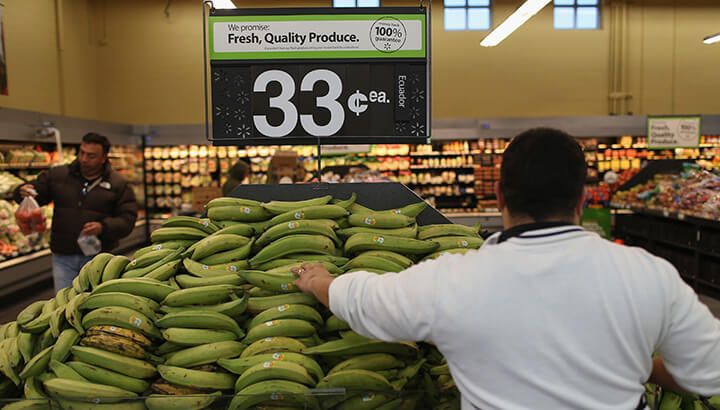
(546, 315)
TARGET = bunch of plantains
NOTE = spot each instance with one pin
(208, 317)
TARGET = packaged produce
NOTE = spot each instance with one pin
(30, 217)
(13, 242)
(694, 192)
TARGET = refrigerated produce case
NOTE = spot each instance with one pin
(674, 213)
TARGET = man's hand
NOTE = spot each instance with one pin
(315, 280)
(662, 377)
(92, 229)
(28, 190)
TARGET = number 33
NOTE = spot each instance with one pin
(290, 113)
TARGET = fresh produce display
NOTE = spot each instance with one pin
(8, 183)
(13, 242)
(695, 192)
(208, 315)
(25, 157)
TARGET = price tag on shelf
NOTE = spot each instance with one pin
(341, 76)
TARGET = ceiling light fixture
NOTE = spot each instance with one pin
(512, 23)
(715, 38)
(223, 4)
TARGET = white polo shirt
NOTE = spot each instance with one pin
(554, 318)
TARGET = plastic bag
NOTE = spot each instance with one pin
(90, 245)
(30, 217)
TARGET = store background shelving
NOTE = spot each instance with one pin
(455, 176)
(675, 214)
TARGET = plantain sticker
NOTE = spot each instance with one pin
(379, 240)
(268, 365)
(278, 356)
(463, 243)
(368, 397)
(369, 221)
(205, 267)
(293, 225)
(135, 321)
(299, 215)
(283, 308)
(397, 211)
(271, 323)
(232, 268)
(286, 286)
(246, 210)
(276, 397)
(157, 247)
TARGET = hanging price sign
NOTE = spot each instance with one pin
(305, 76)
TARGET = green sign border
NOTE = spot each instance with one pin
(601, 217)
(313, 55)
(675, 117)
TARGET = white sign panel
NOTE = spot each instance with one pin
(673, 132)
(385, 34)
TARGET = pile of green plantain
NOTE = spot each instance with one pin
(208, 317)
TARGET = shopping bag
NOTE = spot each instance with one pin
(30, 217)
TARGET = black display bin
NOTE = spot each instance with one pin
(692, 245)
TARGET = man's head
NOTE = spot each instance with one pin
(93, 154)
(543, 177)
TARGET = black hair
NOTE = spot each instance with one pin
(94, 138)
(543, 174)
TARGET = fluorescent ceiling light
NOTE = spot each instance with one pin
(512, 23)
(223, 4)
(715, 38)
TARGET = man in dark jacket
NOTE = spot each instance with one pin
(90, 199)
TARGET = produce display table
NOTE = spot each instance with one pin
(692, 245)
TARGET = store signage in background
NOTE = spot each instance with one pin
(674, 132)
(597, 220)
(319, 75)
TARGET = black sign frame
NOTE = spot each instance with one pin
(213, 68)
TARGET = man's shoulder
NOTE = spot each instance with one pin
(116, 180)
(62, 170)
(637, 257)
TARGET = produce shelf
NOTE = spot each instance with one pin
(707, 253)
(424, 167)
(686, 242)
(15, 167)
(441, 184)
